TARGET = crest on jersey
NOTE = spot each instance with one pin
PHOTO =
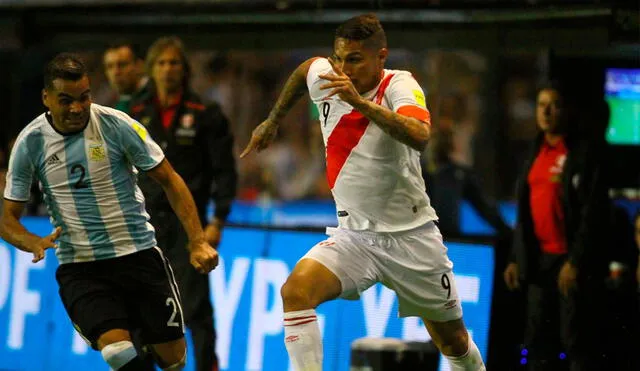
(145, 121)
(187, 120)
(97, 152)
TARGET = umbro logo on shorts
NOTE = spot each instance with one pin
(450, 304)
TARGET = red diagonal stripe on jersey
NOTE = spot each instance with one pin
(346, 135)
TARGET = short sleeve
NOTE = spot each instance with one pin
(20, 173)
(318, 67)
(406, 97)
(139, 147)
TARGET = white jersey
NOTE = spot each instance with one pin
(89, 183)
(376, 181)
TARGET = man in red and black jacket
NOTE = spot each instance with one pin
(196, 140)
(563, 240)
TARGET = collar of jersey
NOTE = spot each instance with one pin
(50, 121)
(372, 93)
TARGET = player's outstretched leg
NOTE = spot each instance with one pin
(454, 342)
(118, 351)
(309, 285)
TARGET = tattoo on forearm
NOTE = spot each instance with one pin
(293, 90)
(407, 130)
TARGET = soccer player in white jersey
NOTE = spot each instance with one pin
(112, 276)
(375, 124)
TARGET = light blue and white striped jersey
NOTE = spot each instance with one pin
(89, 183)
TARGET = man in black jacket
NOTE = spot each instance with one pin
(449, 183)
(196, 139)
(563, 241)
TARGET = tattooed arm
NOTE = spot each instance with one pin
(407, 130)
(293, 90)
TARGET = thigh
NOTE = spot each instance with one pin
(310, 283)
(417, 268)
(347, 255)
(154, 298)
(94, 304)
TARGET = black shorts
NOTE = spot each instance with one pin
(131, 292)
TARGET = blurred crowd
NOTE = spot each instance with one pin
(246, 82)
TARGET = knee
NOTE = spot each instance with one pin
(456, 344)
(113, 336)
(295, 296)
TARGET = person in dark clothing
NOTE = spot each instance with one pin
(124, 68)
(197, 140)
(449, 183)
(636, 228)
(563, 242)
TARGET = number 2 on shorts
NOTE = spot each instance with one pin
(446, 284)
(172, 320)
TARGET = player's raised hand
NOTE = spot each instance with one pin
(203, 257)
(47, 242)
(261, 137)
(341, 85)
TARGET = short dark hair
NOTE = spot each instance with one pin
(136, 49)
(366, 28)
(555, 85)
(64, 66)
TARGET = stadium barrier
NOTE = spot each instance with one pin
(35, 333)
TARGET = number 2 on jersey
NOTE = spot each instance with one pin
(80, 183)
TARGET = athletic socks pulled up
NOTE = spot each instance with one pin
(303, 340)
(470, 361)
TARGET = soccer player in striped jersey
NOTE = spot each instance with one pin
(112, 276)
(375, 123)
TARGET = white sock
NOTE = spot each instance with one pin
(303, 340)
(470, 361)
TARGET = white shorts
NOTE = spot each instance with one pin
(413, 263)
